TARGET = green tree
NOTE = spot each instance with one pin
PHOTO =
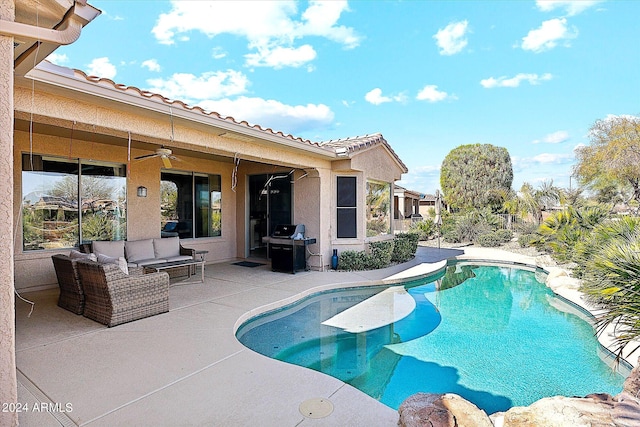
(471, 175)
(613, 156)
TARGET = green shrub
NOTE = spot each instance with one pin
(561, 232)
(380, 254)
(489, 240)
(504, 235)
(405, 246)
(525, 240)
(353, 260)
(471, 225)
(424, 229)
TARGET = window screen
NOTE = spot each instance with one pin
(346, 207)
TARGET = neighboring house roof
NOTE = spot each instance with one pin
(406, 193)
(354, 144)
(428, 198)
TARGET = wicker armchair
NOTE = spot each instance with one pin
(113, 298)
(71, 294)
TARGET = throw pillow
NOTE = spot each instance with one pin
(124, 266)
(120, 262)
(79, 255)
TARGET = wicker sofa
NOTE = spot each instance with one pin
(113, 297)
(139, 253)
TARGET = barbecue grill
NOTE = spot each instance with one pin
(288, 248)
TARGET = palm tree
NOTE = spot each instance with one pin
(535, 201)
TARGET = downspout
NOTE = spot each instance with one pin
(66, 32)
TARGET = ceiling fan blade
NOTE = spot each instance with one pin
(166, 161)
(146, 156)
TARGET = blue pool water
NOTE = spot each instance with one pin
(494, 335)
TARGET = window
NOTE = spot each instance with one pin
(346, 207)
(54, 216)
(190, 205)
(378, 208)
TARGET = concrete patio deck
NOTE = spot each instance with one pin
(185, 367)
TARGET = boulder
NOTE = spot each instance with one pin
(626, 410)
(441, 410)
(632, 383)
(595, 410)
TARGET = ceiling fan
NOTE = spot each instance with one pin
(164, 153)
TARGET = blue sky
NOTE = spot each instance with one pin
(530, 76)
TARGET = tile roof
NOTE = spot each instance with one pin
(177, 103)
(357, 143)
(351, 145)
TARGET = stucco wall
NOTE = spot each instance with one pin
(374, 164)
(35, 269)
(8, 382)
(377, 164)
(111, 121)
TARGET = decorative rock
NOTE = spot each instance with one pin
(626, 411)
(556, 272)
(632, 383)
(441, 410)
(594, 410)
(591, 411)
(545, 261)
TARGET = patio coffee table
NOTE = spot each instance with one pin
(177, 264)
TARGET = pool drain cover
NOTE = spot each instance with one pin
(316, 408)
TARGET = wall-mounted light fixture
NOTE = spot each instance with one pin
(142, 191)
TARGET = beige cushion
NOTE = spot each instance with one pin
(180, 258)
(167, 247)
(114, 249)
(139, 249)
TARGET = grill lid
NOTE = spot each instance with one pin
(288, 231)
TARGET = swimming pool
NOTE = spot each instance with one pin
(493, 334)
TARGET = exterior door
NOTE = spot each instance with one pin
(270, 204)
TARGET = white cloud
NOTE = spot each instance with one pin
(572, 7)
(218, 52)
(548, 36)
(432, 94)
(425, 179)
(209, 85)
(554, 138)
(58, 58)
(273, 114)
(375, 97)
(515, 81)
(214, 91)
(279, 57)
(545, 158)
(452, 38)
(272, 28)
(152, 65)
(101, 67)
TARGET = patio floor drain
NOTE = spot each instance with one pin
(316, 408)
